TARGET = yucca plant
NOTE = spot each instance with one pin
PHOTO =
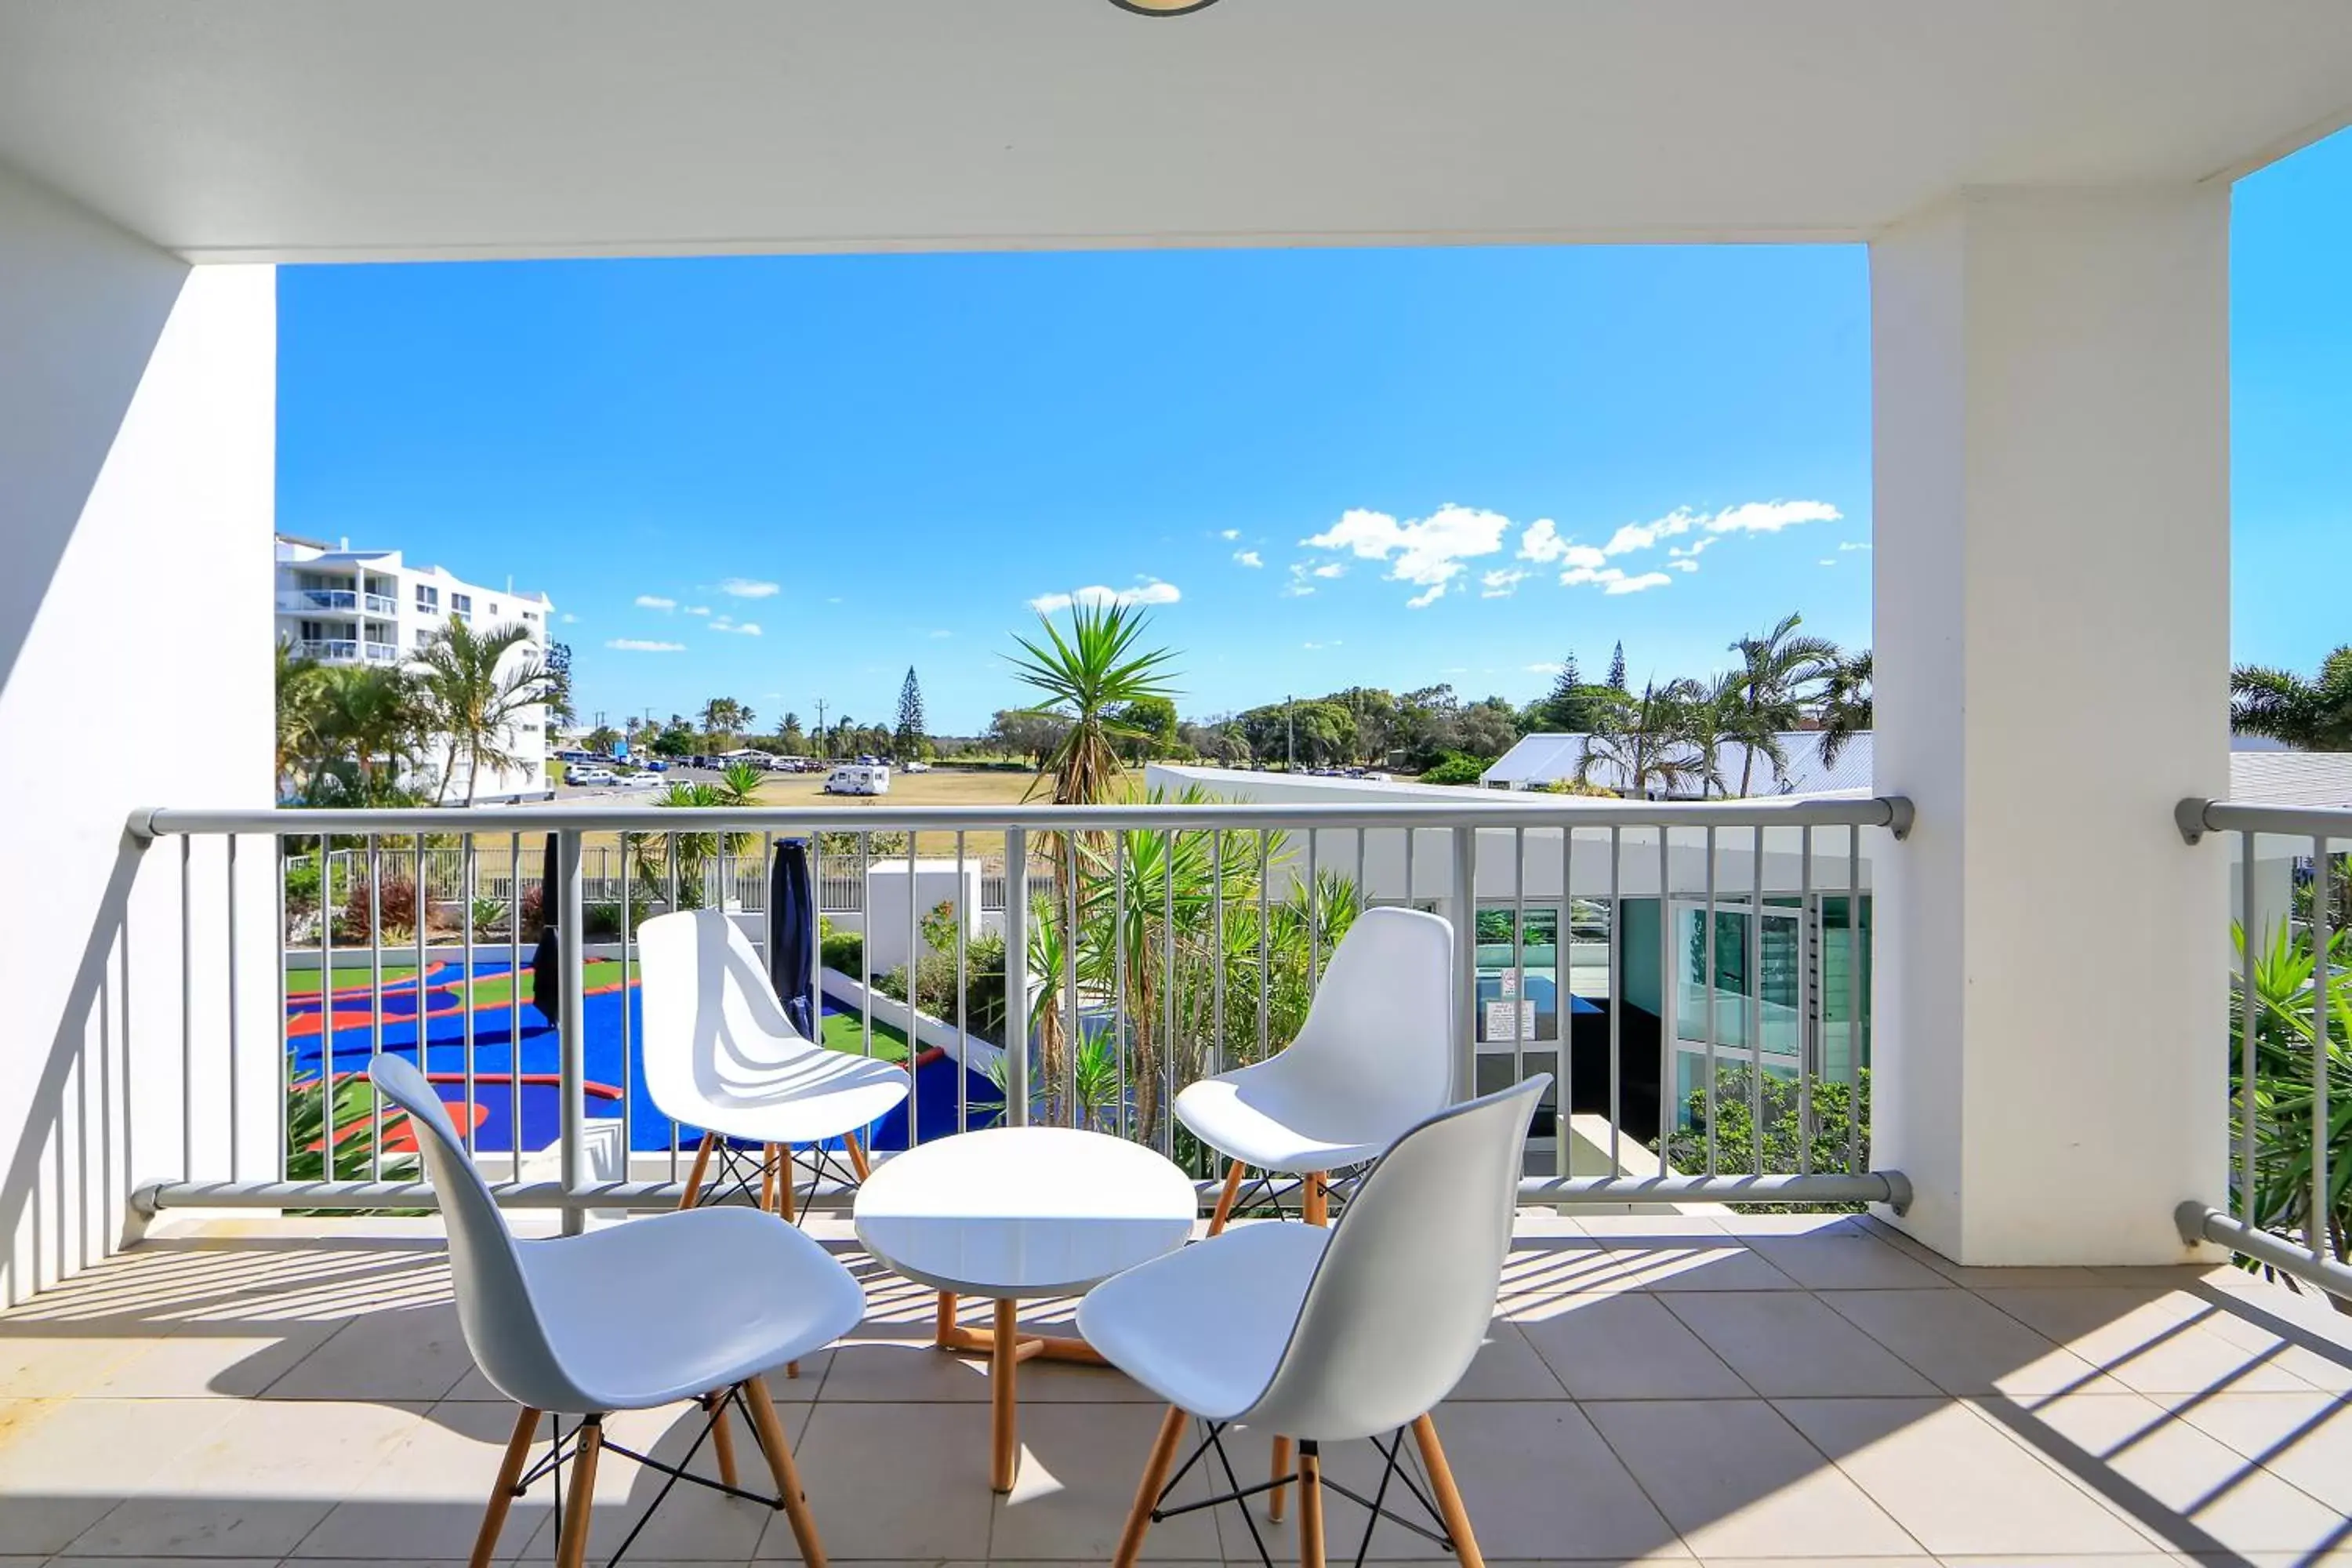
(2288, 1030)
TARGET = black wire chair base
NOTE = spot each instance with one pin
(564, 1448)
(743, 1172)
(1260, 1196)
(1376, 1509)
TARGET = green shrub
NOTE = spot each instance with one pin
(302, 887)
(843, 952)
(1457, 768)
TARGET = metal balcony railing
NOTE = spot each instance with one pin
(2290, 1090)
(1694, 975)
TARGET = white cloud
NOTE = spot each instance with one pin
(1151, 591)
(1229, 534)
(1500, 584)
(1748, 517)
(1647, 580)
(1684, 563)
(748, 630)
(1331, 569)
(1829, 561)
(1692, 551)
(1422, 601)
(698, 609)
(1853, 544)
(1249, 558)
(1545, 669)
(656, 602)
(1317, 646)
(1427, 552)
(748, 588)
(640, 645)
(1613, 580)
(568, 618)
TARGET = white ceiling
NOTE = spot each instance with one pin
(323, 128)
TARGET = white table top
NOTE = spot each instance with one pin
(1013, 1212)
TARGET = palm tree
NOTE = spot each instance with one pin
(1845, 705)
(1777, 671)
(2312, 715)
(722, 715)
(472, 701)
(299, 681)
(1653, 750)
(369, 715)
(1086, 678)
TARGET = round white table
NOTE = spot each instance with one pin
(1014, 1214)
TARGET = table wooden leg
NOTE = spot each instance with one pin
(1004, 1439)
(944, 1332)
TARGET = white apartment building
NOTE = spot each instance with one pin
(341, 605)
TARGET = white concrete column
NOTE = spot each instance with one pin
(2052, 577)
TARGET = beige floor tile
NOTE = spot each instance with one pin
(1955, 1481)
(66, 1464)
(1556, 1265)
(1842, 1562)
(1801, 1224)
(212, 1360)
(2305, 1438)
(40, 1364)
(256, 1484)
(693, 1525)
(897, 1367)
(1624, 1345)
(413, 1353)
(1539, 1482)
(1964, 1345)
(2189, 1489)
(1694, 1263)
(1843, 1259)
(1079, 1466)
(1617, 1225)
(1969, 1276)
(1785, 1344)
(429, 1498)
(895, 1480)
(2152, 1342)
(2310, 1350)
(2150, 1559)
(1735, 1479)
(1507, 1367)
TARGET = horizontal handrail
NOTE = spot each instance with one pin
(2196, 817)
(1490, 810)
(2202, 1222)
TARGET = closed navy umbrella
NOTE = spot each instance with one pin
(547, 958)
(791, 964)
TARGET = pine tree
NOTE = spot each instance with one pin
(909, 738)
(1568, 683)
(1617, 668)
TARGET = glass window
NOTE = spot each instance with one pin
(462, 602)
(1519, 974)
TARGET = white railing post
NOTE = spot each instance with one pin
(1016, 979)
(571, 949)
(1466, 963)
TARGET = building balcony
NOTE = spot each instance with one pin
(348, 650)
(304, 601)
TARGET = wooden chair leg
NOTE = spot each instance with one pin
(1315, 1200)
(1233, 1173)
(1278, 1500)
(1315, 1208)
(572, 1545)
(1147, 1491)
(784, 1472)
(1310, 1506)
(722, 1435)
(702, 1168)
(1449, 1497)
(494, 1518)
(767, 1175)
(858, 1160)
(785, 1197)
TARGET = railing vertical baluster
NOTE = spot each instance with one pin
(1465, 961)
(628, 1030)
(1217, 949)
(327, 1007)
(1265, 876)
(573, 950)
(1563, 1000)
(417, 887)
(1709, 999)
(375, 988)
(865, 936)
(1314, 915)
(235, 1110)
(914, 965)
(1518, 1009)
(2250, 936)
(188, 1006)
(962, 994)
(469, 881)
(1616, 996)
(1809, 952)
(1073, 1021)
(1853, 1031)
(669, 905)
(1167, 1129)
(285, 1056)
(1017, 978)
(1756, 999)
(2318, 1231)
(1669, 987)
(514, 993)
(1119, 1021)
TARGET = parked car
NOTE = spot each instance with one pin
(655, 765)
(588, 774)
(859, 778)
(917, 766)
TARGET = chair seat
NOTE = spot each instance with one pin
(1265, 1116)
(817, 1095)
(674, 1305)
(1205, 1327)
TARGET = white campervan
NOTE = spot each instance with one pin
(859, 778)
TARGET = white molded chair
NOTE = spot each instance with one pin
(674, 1307)
(722, 1056)
(1373, 1058)
(1332, 1334)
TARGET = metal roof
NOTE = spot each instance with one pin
(1546, 759)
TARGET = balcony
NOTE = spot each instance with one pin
(304, 601)
(1669, 1375)
(348, 650)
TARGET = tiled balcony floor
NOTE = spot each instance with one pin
(1653, 1390)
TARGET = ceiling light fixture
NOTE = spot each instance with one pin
(1163, 7)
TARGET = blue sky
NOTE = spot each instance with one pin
(1393, 467)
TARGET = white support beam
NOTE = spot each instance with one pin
(2051, 607)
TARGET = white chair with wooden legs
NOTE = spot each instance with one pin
(1331, 1334)
(1374, 1057)
(661, 1310)
(721, 1055)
